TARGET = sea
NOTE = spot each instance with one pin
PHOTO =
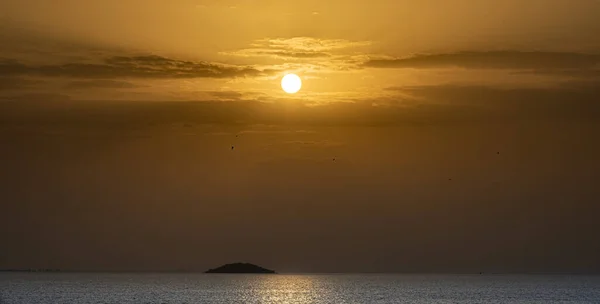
(122, 288)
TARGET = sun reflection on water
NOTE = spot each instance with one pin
(286, 290)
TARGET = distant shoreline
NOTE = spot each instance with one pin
(31, 270)
(289, 273)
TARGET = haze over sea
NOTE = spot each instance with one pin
(88, 288)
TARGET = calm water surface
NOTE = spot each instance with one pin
(54, 288)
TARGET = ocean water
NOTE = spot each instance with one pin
(53, 288)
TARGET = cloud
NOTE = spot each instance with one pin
(580, 74)
(278, 53)
(151, 66)
(227, 95)
(13, 83)
(37, 99)
(310, 43)
(493, 60)
(576, 101)
(224, 95)
(297, 54)
(296, 48)
(423, 105)
(100, 84)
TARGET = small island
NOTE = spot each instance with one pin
(240, 268)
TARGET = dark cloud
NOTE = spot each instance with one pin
(40, 99)
(135, 67)
(235, 96)
(100, 84)
(15, 83)
(581, 74)
(573, 101)
(493, 60)
(425, 105)
(226, 95)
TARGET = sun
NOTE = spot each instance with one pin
(291, 83)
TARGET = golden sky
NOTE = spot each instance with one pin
(421, 126)
(344, 50)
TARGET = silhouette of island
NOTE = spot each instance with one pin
(239, 268)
